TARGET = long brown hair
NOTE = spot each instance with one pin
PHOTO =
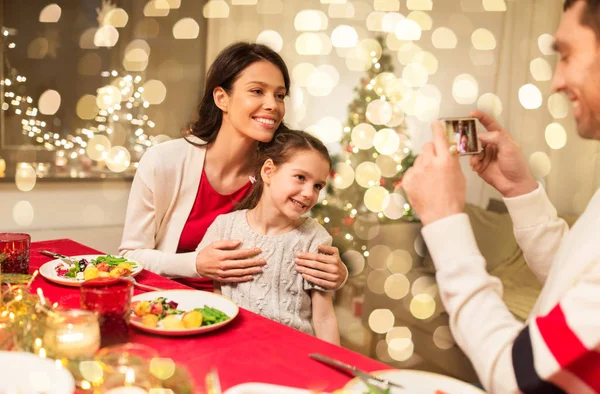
(284, 145)
(224, 71)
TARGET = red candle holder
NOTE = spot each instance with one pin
(110, 300)
(14, 253)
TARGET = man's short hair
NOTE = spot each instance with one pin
(591, 14)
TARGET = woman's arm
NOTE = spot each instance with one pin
(141, 226)
(324, 319)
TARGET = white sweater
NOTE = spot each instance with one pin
(160, 201)
(557, 349)
(279, 292)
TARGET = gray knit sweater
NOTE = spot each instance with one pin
(279, 292)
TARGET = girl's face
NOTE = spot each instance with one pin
(293, 187)
(255, 107)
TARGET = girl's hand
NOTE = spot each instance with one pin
(220, 262)
(323, 269)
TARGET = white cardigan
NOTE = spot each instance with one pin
(162, 196)
(558, 345)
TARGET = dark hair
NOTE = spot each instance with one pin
(281, 149)
(591, 14)
(224, 71)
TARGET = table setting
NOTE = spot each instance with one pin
(109, 334)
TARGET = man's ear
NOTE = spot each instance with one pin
(267, 171)
(221, 98)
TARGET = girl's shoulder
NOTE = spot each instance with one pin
(311, 227)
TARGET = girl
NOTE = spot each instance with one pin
(182, 185)
(291, 171)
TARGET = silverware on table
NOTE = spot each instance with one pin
(59, 256)
(212, 383)
(140, 285)
(363, 375)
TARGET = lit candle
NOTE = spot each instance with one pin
(72, 334)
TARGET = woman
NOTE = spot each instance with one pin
(181, 186)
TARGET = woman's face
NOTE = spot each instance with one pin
(255, 106)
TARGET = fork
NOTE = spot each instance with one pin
(212, 382)
(140, 285)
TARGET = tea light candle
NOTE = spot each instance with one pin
(72, 334)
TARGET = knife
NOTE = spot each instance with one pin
(57, 256)
(363, 375)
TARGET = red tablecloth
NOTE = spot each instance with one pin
(249, 349)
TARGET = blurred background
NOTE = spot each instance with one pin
(88, 86)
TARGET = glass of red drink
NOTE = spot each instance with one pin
(110, 299)
(14, 253)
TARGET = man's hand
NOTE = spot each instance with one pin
(501, 164)
(435, 184)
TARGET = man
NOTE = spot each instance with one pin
(557, 350)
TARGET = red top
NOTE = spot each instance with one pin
(208, 205)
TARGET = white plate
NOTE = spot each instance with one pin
(27, 373)
(264, 388)
(420, 382)
(187, 300)
(48, 270)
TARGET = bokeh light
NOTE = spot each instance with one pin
(419, 5)
(49, 102)
(50, 13)
(98, 147)
(344, 36)
(386, 141)
(154, 91)
(186, 29)
(396, 286)
(558, 105)
(399, 261)
(367, 174)
(116, 17)
(490, 103)
(341, 11)
(540, 165)
(408, 30)
(444, 38)
(355, 262)
(344, 176)
(23, 213)
(374, 198)
(393, 206)
(442, 337)
(118, 159)
(381, 320)
(311, 20)
(422, 306)
(556, 136)
(362, 136)
(545, 43)
(465, 89)
(540, 69)
(86, 107)
(367, 227)
(530, 96)
(379, 112)
(376, 281)
(483, 40)
(270, 38)
(422, 18)
(106, 36)
(494, 5)
(328, 130)
(425, 285)
(25, 177)
(215, 9)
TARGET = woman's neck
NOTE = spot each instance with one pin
(231, 154)
(267, 220)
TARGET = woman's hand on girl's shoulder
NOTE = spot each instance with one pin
(324, 269)
(222, 262)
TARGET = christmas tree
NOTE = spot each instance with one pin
(366, 188)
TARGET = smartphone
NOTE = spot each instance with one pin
(462, 135)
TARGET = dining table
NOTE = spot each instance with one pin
(251, 348)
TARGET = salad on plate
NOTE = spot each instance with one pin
(99, 267)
